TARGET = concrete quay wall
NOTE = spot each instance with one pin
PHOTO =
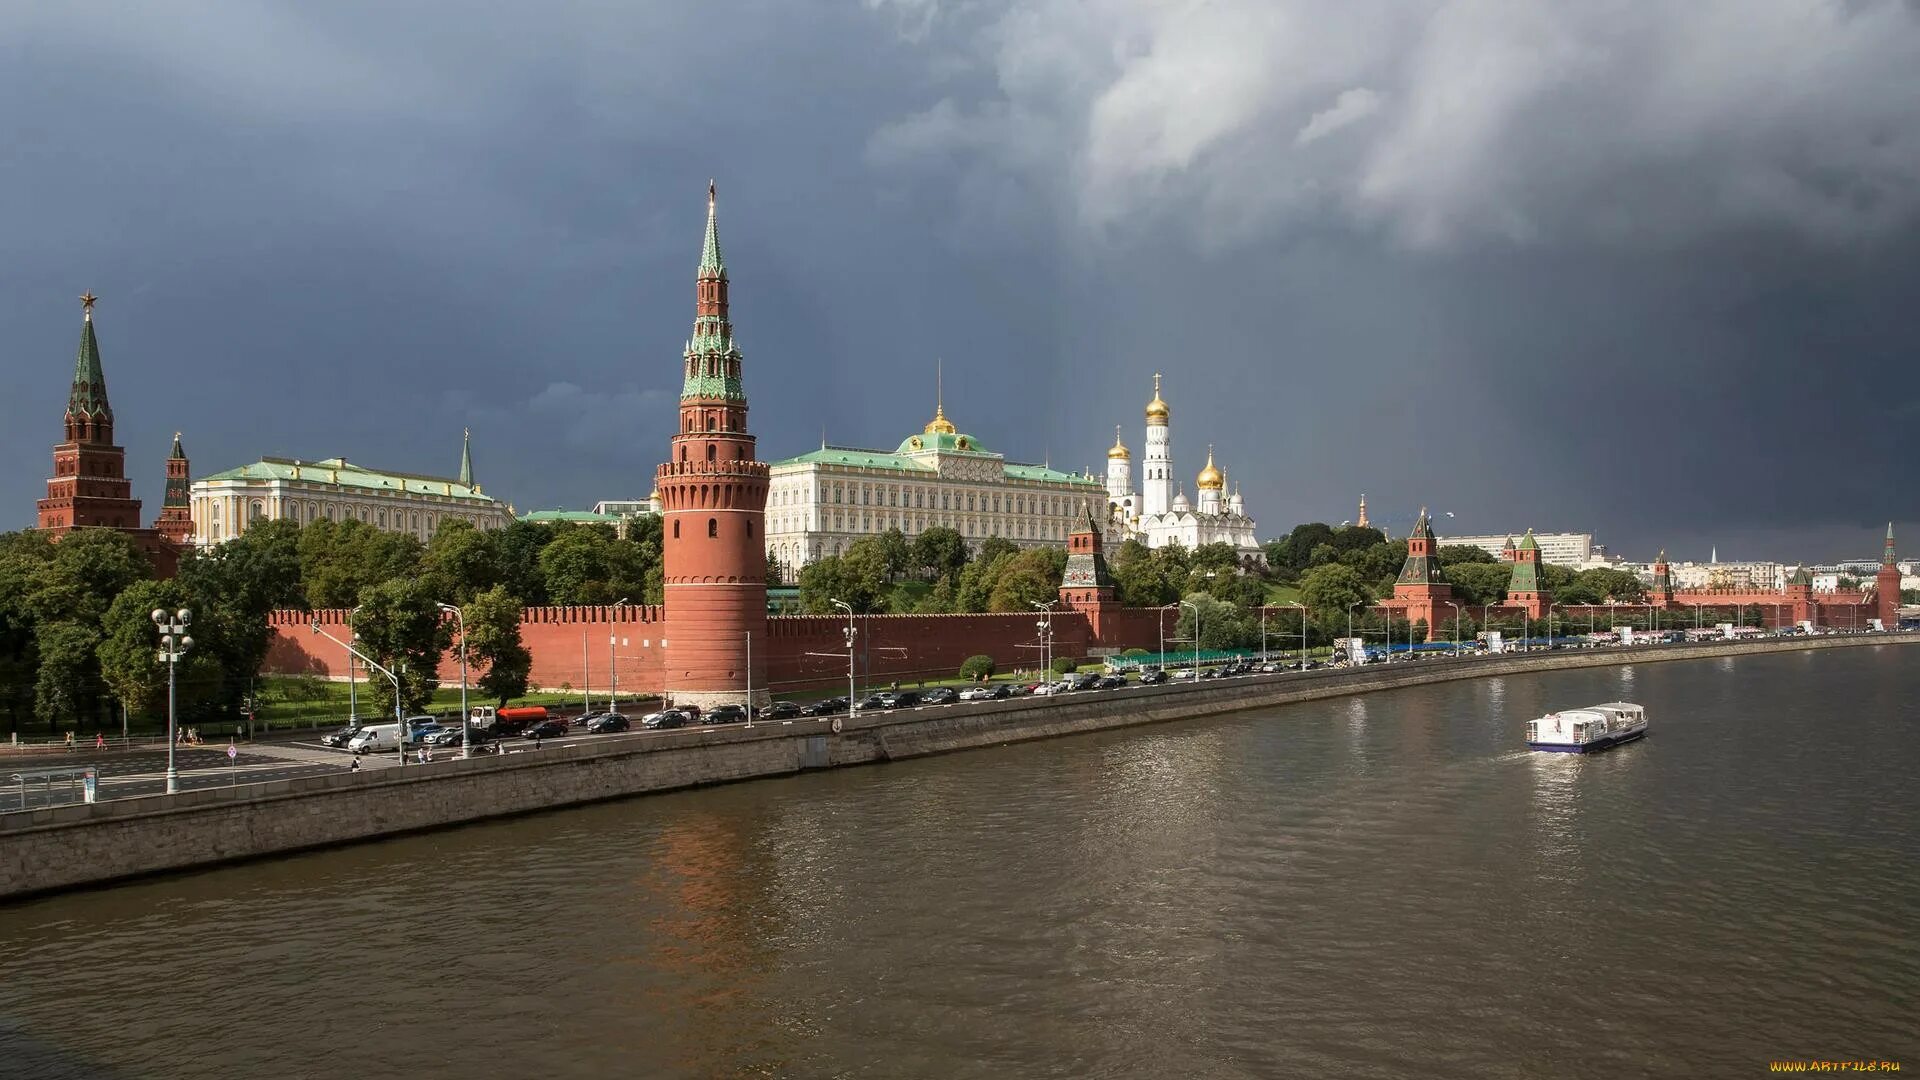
(66, 847)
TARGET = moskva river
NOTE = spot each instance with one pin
(1385, 886)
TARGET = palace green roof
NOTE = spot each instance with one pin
(571, 517)
(904, 463)
(339, 472)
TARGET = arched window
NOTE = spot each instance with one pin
(710, 422)
(749, 530)
(683, 453)
(713, 527)
(676, 530)
(711, 451)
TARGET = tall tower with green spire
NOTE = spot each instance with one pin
(713, 500)
(1886, 586)
(89, 487)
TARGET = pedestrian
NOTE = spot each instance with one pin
(69, 740)
(356, 763)
(536, 741)
(100, 741)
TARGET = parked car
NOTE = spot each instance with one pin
(780, 710)
(1088, 681)
(374, 738)
(871, 701)
(607, 722)
(551, 728)
(1184, 674)
(989, 692)
(419, 728)
(1023, 689)
(341, 736)
(940, 695)
(443, 737)
(585, 718)
(825, 707)
(664, 720)
(726, 714)
(1109, 682)
(1153, 678)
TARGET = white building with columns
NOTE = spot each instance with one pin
(335, 489)
(822, 501)
(1160, 514)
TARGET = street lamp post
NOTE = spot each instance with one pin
(1196, 636)
(1456, 628)
(848, 608)
(613, 664)
(1045, 627)
(748, 634)
(174, 644)
(466, 732)
(353, 704)
(400, 723)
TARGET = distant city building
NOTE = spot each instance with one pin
(628, 507)
(89, 488)
(1159, 514)
(1731, 575)
(1574, 550)
(820, 502)
(334, 489)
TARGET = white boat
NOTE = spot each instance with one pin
(1582, 731)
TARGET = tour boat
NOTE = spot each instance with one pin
(1580, 731)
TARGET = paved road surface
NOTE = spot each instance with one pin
(144, 772)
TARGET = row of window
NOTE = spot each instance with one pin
(923, 498)
(215, 513)
(713, 528)
(911, 526)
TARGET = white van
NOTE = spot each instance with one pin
(378, 737)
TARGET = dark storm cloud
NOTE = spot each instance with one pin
(1640, 268)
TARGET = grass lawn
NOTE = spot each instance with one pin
(300, 702)
(1282, 594)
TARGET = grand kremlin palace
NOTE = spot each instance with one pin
(820, 502)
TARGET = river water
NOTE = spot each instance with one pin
(1384, 886)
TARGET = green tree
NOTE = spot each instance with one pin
(1599, 586)
(493, 643)
(340, 559)
(1141, 580)
(127, 651)
(574, 566)
(995, 546)
(975, 590)
(645, 532)
(517, 548)
(899, 553)
(1031, 577)
(22, 555)
(976, 668)
(1222, 625)
(401, 626)
(1303, 544)
(941, 552)
(1356, 538)
(1478, 582)
(463, 559)
(83, 573)
(1461, 554)
(1331, 590)
(68, 684)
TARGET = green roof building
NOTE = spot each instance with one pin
(821, 501)
(335, 489)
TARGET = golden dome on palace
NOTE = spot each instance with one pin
(1119, 450)
(1210, 478)
(1157, 408)
(939, 425)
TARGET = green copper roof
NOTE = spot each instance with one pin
(1048, 475)
(859, 459)
(1525, 579)
(578, 517)
(711, 264)
(1421, 569)
(339, 472)
(950, 441)
(1887, 557)
(1528, 543)
(466, 459)
(89, 395)
(1802, 576)
(177, 452)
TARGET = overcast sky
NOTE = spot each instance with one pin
(1649, 270)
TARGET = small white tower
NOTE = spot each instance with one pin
(1209, 483)
(1156, 469)
(1120, 478)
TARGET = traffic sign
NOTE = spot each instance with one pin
(232, 751)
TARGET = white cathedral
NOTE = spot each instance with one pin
(1160, 513)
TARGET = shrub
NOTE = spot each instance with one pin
(1065, 665)
(976, 668)
(1138, 652)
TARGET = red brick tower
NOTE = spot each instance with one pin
(1886, 586)
(713, 498)
(1523, 589)
(176, 510)
(1422, 592)
(1661, 594)
(89, 486)
(1087, 586)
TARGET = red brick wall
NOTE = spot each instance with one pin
(903, 647)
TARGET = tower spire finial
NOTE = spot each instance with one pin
(87, 300)
(711, 264)
(466, 457)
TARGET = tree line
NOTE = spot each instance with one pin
(78, 645)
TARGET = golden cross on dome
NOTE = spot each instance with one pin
(86, 304)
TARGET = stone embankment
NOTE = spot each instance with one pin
(77, 845)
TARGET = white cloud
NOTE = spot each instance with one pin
(1351, 107)
(1511, 120)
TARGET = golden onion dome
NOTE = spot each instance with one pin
(654, 495)
(1210, 478)
(1119, 451)
(1157, 408)
(939, 425)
